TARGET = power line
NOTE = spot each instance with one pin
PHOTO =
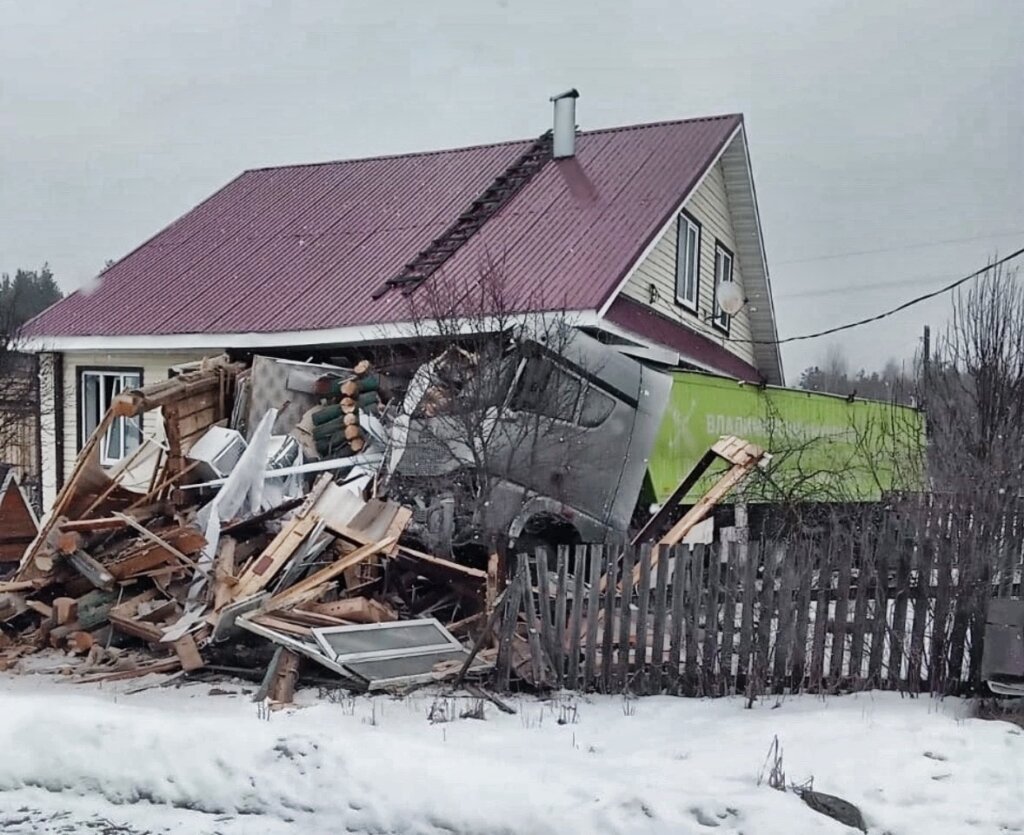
(874, 285)
(887, 313)
(900, 248)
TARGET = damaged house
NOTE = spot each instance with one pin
(623, 234)
(316, 418)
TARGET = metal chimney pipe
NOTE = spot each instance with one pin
(565, 123)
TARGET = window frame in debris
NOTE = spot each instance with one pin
(448, 642)
(126, 378)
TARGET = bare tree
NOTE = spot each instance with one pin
(491, 418)
(974, 390)
(21, 297)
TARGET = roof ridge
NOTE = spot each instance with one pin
(502, 144)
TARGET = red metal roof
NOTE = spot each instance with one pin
(303, 247)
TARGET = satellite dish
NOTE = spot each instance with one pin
(730, 297)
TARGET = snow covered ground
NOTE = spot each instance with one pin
(77, 759)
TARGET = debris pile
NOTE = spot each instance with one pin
(247, 539)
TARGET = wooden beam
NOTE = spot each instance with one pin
(301, 590)
(156, 540)
(92, 570)
(188, 653)
(263, 569)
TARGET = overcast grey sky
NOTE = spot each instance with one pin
(874, 125)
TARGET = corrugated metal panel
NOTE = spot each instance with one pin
(304, 247)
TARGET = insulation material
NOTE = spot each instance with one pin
(287, 386)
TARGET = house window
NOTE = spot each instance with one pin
(688, 262)
(97, 390)
(723, 273)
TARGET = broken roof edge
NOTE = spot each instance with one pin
(345, 335)
(497, 144)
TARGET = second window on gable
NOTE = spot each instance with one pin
(723, 273)
(688, 262)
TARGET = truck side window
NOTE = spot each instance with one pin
(596, 407)
(545, 389)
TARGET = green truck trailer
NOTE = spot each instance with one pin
(824, 447)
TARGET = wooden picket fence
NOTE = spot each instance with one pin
(890, 598)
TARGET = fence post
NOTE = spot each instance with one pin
(593, 600)
(784, 605)
(728, 616)
(693, 607)
(899, 617)
(579, 568)
(865, 569)
(680, 565)
(642, 676)
(561, 592)
(625, 618)
(660, 605)
(845, 552)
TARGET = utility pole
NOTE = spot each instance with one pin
(926, 358)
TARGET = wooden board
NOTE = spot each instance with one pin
(865, 571)
(611, 594)
(729, 595)
(822, 601)
(748, 558)
(660, 618)
(846, 548)
(300, 592)
(692, 613)
(712, 586)
(258, 575)
(593, 601)
(643, 591)
(625, 624)
(576, 618)
(681, 565)
(787, 621)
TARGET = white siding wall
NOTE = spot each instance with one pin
(710, 206)
(155, 366)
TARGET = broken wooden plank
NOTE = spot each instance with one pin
(357, 610)
(281, 625)
(301, 591)
(22, 585)
(161, 665)
(40, 608)
(137, 629)
(152, 537)
(188, 653)
(480, 693)
(150, 555)
(258, 575)
(104, 523)
(223, 573)
(281, 679)
(65, 610)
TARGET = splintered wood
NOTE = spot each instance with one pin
(123, 581)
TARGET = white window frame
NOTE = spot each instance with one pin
(126, 379)
(686, 259)
(723, 255)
